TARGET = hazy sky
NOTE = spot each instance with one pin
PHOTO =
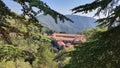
(62, 6)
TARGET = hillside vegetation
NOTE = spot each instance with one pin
(79, 24)
(22, 44)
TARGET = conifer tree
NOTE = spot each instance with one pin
(102, 49)
(27, 10)
(11, 51)
(110, 8)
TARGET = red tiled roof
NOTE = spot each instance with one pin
(60, 43)
(63, 39)
(71, 35)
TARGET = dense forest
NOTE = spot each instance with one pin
(23, 45)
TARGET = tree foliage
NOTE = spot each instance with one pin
(29, 12)
(110, 8)
(21, 36)
(102, 49)
(9, 53)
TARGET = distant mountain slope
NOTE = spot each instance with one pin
(80, 23)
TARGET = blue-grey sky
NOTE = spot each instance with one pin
(62, 6)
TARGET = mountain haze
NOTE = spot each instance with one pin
(80, 23)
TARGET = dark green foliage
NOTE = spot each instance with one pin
(28, 5)
(27, 8)
(110, 8)
(21, 38)
(30, 43)
(9, 52)
(101, 51)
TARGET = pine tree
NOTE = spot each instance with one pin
(27, 9)
(14, 49)
(102, 49)
(110, 8)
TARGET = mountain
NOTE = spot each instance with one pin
(80, 23)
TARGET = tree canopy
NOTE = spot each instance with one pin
(21, 37)
(110, 8)
(28, 13)
(102, 49)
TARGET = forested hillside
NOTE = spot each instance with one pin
(102, 49)
(80, 23)
(23, 45)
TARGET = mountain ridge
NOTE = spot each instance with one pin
(80, 23)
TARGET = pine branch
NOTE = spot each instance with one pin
(110, 8)
(43, 8)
